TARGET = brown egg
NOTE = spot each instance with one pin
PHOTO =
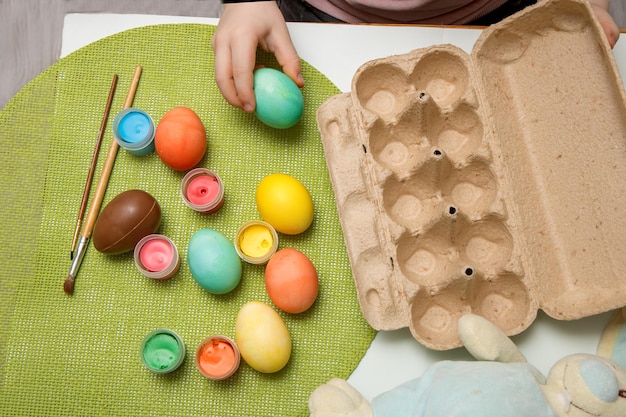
(127, 218)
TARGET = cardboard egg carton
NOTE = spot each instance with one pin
(491, 183)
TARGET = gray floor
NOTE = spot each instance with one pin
(30, 30)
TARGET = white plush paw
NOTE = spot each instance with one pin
(337, 398)
(486, 342)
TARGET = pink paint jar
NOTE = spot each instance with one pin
(202, 190)
(156, 257)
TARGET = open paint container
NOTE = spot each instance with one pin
(156, 257)
(256, 241)
(217, 357)
(134, 131)
(162, 351)
(202, 190)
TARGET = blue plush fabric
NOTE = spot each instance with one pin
(467, 389)
(600, 379)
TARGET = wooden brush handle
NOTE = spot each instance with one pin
(103, 181)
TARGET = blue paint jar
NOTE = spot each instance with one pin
(134, 130)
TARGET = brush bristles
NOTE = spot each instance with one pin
(68, 285)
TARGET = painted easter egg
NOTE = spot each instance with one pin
(285, 203)
(180, 139)
(279, 101)
(125, 220)
(262, 337)
(291, 281)
(213, 261)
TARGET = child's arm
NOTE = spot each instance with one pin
(243, 27)
(601, 9)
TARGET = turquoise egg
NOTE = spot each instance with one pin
(213, 261)
(279, 101)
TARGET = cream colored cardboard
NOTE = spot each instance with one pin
(490, 183)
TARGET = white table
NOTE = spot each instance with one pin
(337, 51)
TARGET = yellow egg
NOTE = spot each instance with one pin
(285, 203)
(262, 337)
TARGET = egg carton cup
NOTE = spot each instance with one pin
(492, 183)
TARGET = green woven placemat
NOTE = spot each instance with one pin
(78, 355)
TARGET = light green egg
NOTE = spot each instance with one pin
(213, 261)
(279, 101)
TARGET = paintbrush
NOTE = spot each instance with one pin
(94, 208)
(92, 167)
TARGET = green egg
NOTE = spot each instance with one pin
(279, 101)
(213, 261)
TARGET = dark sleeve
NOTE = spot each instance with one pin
(240, 1)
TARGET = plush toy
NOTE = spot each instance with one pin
(613, 342)
(500, 384)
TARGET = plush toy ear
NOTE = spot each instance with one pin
(337, 398)
(486, 342)
(612, 343)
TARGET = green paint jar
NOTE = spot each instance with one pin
(162, 351)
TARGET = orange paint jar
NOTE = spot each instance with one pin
(217, 357)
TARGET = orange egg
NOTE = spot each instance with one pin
(180, 139)
(291, 281)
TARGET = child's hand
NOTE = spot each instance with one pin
(241, 29)
(601, 9)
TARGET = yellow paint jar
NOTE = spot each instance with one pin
(256, 241)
